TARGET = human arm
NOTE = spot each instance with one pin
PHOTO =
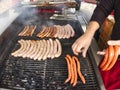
(82, 44)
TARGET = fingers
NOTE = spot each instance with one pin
(84, 52)
(114, 42)
(79, 49)
(101, 53)
(76, 48)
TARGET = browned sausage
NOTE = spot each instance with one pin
(78, 70)
(74, 71)
(110, 57)
(116, 51)
(104, 61)
(69, 69)
(71, 65)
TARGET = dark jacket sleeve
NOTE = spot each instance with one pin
(103, 9)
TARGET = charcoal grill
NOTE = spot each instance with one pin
(28, 74)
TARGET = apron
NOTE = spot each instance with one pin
(111, 78)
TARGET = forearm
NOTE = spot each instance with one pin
(91, 28)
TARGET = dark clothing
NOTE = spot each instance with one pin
(111, 78)
(78, 4)
(103, 9)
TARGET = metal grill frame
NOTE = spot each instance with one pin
(6, 51)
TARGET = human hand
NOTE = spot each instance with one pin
(110, 42)
(110, 55)
(81, 45)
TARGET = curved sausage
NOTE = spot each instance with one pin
(68, 30)
(23, 50)
(40, 50)
(21, 42)
(69, 69)
(75, 72)
(51, 48)
(43, 50)
(37, 51)
(27, 49)
(116, 54)
(72, 30)
(47, 51)
(59, 48)
(104, 61)
(27, 53)
(42, 31)
(33, 45)
(33, 29)
(78, 70)
(65, 32)
(110, 57)
(24, 30)
(57, 31)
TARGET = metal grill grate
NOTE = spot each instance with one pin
(27, 74)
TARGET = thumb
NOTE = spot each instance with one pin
(113, 42)
(84, 52)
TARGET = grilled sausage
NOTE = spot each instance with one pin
(68, 31)
(78, 70)
(59, 48)
(104, 61)
(32, 30)
(23, 50)
(37, 51)
(51, 48)
(110, 57)
(72, 31)
(32, 49)
(116, 54)
(21, 42)
(75, 72)
(69, 69)
(36, 47)
(24, 31)
(27, 49)
(40, 49)
(43, 50)
(41, 33)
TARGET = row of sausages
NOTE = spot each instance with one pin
(38, 49)
(74, 70)
(110, 58)
(57, 31)
(28, 30)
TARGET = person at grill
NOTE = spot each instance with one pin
(81, 45)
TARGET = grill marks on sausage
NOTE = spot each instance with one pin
(38, 49)
(57, 31)
(28, 30)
